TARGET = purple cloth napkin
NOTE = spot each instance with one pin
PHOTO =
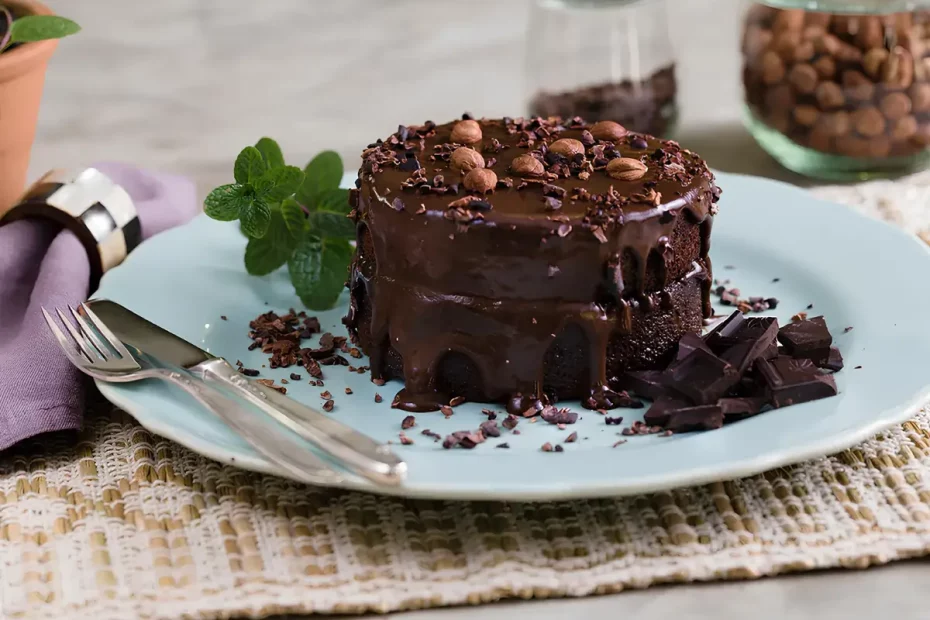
(40, 265)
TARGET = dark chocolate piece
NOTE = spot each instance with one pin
(646, 383)
(718, 338)
(808, 339)
(791, 381)
(661, 410)
(702, 377)
(688, 344)
(754, 339)
(740, 408)
(834, 361)
(699, 418)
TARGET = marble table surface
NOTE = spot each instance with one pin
(182, 85)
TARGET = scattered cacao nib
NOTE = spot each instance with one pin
(223, 316)
(510, 422)
(800, 316)
(619, 443)
(552, 204)
(348, 391)
(328, 405)
(857, 367)
(613, 421)
(397, 204)
(295, 376)
(490, 429)
(571, 438)
(546, 447)
(559, 448)
(846, 330)
(270, 384)
(325, 395)
(491, 414)
(446, 410)
(504, 445)
(404, 440)
(455, 401)
(553, 415)
(431, 434)
(284, 381)
(377, 381)
(249, 372)
(378, 398)
(731, 297)
(408, 422)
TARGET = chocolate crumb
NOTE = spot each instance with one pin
(431, 434)
(857, 367)
(510, 422)
(325, 395)
(559, 448)
(249, 372)
(504, 445)
(847, 330)
(456, 401)
(571, 438)
(446, 410)
(546, 447)
(378, 398)
(295, 376)
(284, 381)
(408, 422)
(223, 316)
(800, 316)
(774, 280)
(328, 405)
(613, 421)
(619, 443)
(810, 306)
(404, 440)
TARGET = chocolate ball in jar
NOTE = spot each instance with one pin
(838, 96)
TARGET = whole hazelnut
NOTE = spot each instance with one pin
(608, 130)
(847, 52)
(898, 71)
(804, 52)
(895, 105)
(871, 33)
(828, 44)
(567, 147)
(826, 67)
(820, 20)
(812, 33)
(873, 61)
(788, 19)
(779, 97)
(904, 128)
(773, 68)
(820, 140)
(859, 87)
(755, 40)
(880, 146)
(836, 124)
(922, 137)
(852, 146)
(466, 132)
(480, 180)
(626, 169)
(786, 43)
(806, 115)
(829, 96)
(920, 97)
(869, 122)
(465, 159)
(804, 78)
(527, 166)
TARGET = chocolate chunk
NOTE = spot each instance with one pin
(808, 339)
(834, 361)
(553, 415)
(699, 418)
(661, 410)
(741, 408)
(719, 338)
(688, 344)
(790, 381)
(755, 338)
(646, 383)
(702, 377)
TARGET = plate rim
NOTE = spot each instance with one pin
(565, 490)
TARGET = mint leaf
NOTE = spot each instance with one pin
(225, 202)
(330, 219)
(255, 218)
(324, 172)
(41, 27)
(249, 165)
(268, 253)
(318, 270)
(279, 183)
(294, 217)
(271, 152)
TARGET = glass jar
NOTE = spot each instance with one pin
(839, 89)
(602, 60)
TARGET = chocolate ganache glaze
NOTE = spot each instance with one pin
(526, 260)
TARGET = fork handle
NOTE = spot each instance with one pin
(351, 449)
(270, 440)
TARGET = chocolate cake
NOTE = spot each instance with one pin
(526, 260)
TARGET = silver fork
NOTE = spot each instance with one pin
(94, 350)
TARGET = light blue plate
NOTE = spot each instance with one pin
(855, 271)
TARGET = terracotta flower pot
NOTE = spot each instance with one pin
(22, 77)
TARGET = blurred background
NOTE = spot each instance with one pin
(183, 85)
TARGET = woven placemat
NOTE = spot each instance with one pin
(118, 523)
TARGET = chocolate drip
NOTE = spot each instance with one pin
(497, 284)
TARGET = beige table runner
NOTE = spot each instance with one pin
(118, 523)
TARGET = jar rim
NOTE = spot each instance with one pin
(860, 7)
(592, 4)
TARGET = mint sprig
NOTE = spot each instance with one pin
(31, 28)
(290, 216)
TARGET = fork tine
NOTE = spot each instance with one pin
(88, 329)
(109, 336)
(67, 345)
(82, 343)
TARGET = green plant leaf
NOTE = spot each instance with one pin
(279, 183)
(255, 218)
(294, 217)
(225, 202)
(324, 172)
(318, 270)
(271, 152)
(330, 220)
(268, 253)
(41, 27)
(249, 165)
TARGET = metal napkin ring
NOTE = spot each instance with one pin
(93, 207)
